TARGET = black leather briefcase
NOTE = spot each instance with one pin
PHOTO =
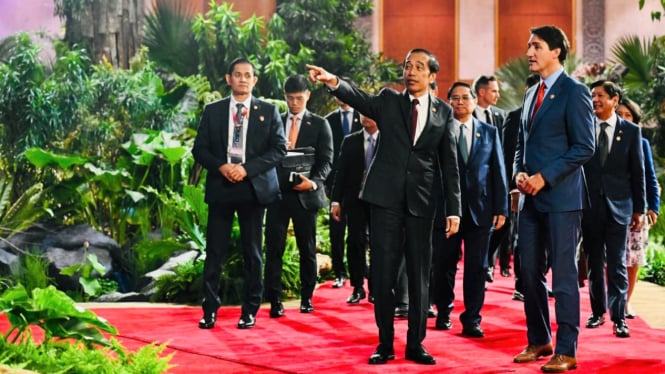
(298, 161)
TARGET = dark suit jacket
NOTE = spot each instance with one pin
(621, 178)
(334, 118)
(349, 169)
(314, 132)
(558, 142)
(498, 119)
(400, 167)
(509, 142)
(484, 185)
(265, 148)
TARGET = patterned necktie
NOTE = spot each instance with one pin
(603, 141)
(237, 152)
(463, 146)
(488, 116)
(345, 122)
(293, 132)
(539, 100)
(369, 153)
(414, 119)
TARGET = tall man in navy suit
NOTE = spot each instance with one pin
(300, 202)
(556, 137)
(355, 157)
(486, 88)
(240, 141)
(618, 201)
(343, 121)
(417, 138)
(484, 209)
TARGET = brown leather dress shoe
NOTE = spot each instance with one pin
(533, 352)
(559, 364)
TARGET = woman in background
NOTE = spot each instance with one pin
(637, 240)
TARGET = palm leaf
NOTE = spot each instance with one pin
(169, 37)
(633, 54)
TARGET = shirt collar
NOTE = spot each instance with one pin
(611, 122)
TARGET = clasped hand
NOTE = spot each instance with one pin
(234, 173)
(529, 185)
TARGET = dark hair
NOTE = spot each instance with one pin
(555, 38)
(532, 80)
(483, 81)
(633, 108)
(460, 84)
(240, 60)
(433, 63)
(433, 85)
(610, 87)
(296, 83)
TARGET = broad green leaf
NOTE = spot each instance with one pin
(41, 158)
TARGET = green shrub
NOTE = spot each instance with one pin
(654, 271)
(185, 286)
(73, 340)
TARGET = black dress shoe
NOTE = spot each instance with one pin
(473, 331)
(443, 322)
(489, 276)
(431, 313)
(402, 311)
(630, 315)
(339, 282)
(208, 321)
(247, 321)
(357, 295)
(419, 355)
(518, 296)
(505, 273)
(621, 329)
(276, 309)
(550, 293)
(595, 321)
(381, 356)
(306, 306)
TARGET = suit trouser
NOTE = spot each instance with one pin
(499, 247)
(304, 227)
(357, 240)
(554, 235)
(394, 235)
(605, 243)
(476, 241)
(337, 232)
(220, 222)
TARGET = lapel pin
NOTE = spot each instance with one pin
(256, 107)
(477, 135)
(261, 118)
(308, 123)
(618, 138)
(552, 96)
(433, 110)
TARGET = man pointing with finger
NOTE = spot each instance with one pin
(417, 145)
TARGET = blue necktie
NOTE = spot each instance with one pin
(345, 122)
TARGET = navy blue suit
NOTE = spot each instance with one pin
(484, 195)
(556, 143)
(616, 191)
(338, 229)
(265, 148)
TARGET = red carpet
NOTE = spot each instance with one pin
(338, 338)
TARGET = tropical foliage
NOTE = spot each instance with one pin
(72, 336)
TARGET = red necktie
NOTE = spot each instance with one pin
(539, 99)
(414, 118)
